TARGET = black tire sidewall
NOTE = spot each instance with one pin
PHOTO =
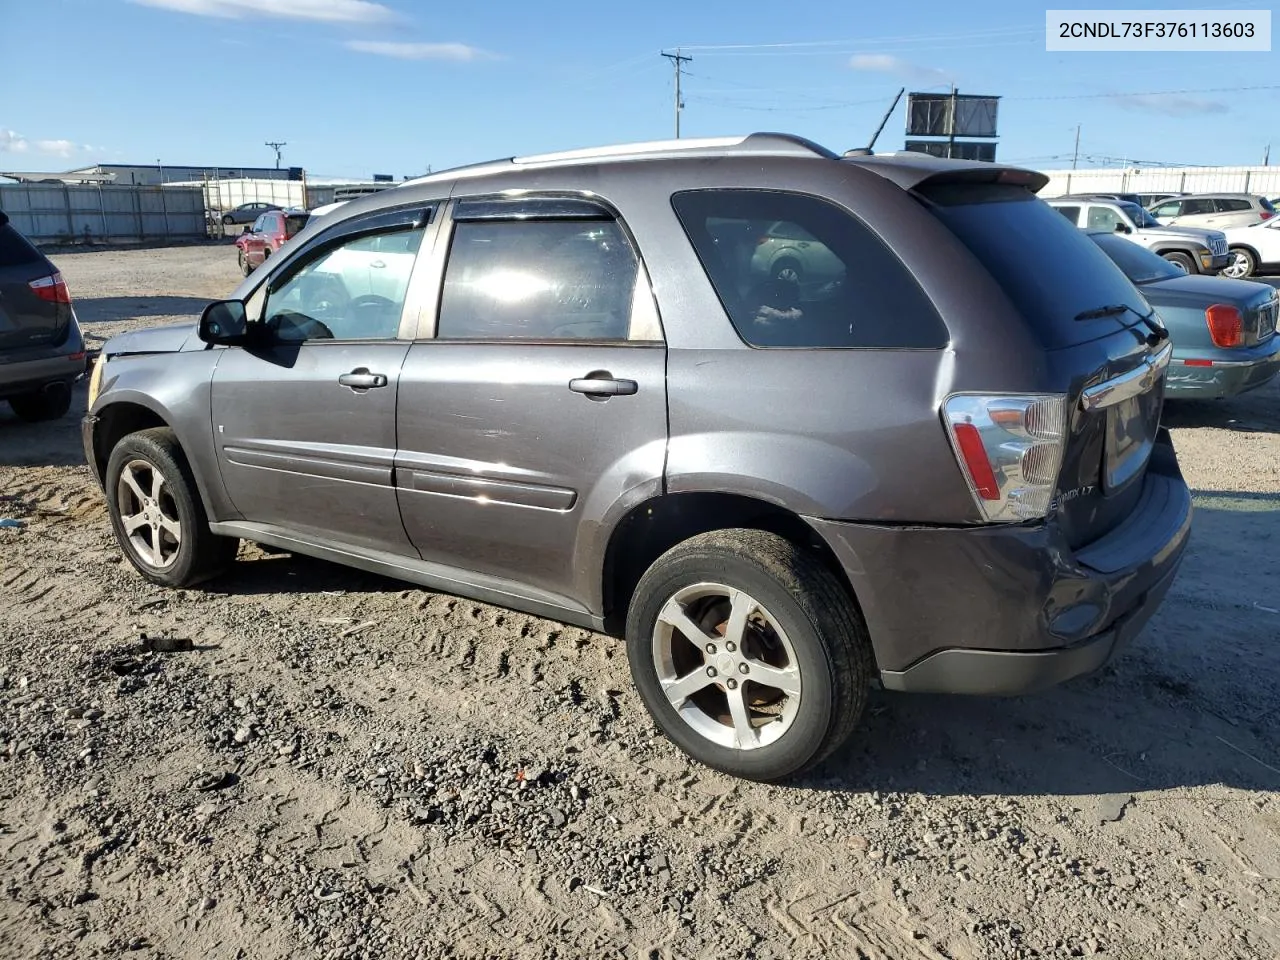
(809, 730)
(1183, 260)
(161, 454)
(38, 407)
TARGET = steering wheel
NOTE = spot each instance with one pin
(292, 327)
(369, 301)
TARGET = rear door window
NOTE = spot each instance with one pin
(1071, 213)
(1193, 208)
(544, 280)
(793, 270)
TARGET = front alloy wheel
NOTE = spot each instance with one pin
(157, 514)
(148, 514)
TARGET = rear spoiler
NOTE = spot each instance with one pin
(914, 171)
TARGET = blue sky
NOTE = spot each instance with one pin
(357, 87)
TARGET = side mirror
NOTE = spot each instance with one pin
(248, 228)
(1121, 228)
(224, 323)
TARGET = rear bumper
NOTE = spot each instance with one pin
(1232, 372)
(34, 370)
(1012, 609)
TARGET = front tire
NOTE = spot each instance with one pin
(51, 403)
(157, 514)
(1242, 264)
(1182, 261)
(246, 268)
(748, 653)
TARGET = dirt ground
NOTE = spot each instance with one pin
(344, 766)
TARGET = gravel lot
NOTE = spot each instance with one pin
(340, 766)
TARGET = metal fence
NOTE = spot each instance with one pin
(70, 213)
(1262, 181)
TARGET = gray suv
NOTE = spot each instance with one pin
(565, 385)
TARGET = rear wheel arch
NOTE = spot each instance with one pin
(654, 526)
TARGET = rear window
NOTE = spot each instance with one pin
(15, 248)
(796, 271)
(1139, 264)
(1266, 205)
(294, 223)
(1051, 270)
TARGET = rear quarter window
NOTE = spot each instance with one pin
(15, 248)
(794, 270)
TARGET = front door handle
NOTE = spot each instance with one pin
(361, 379)
(601, 384)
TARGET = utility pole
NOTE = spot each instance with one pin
(1266, 156)
(676, 61)
(1076, 155)
(951, 125)
(276, 145)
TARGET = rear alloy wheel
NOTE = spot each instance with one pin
(157, 515)
(1182, 261)
(1241, 265)
(51, 403)
(748, 653)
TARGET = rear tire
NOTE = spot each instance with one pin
(1182, 261)
(157, 514)
(49, 404)
(791, 688)
(1243, 264)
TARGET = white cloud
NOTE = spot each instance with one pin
(1169, 106)
(13, 142)
(61, 148)
(323, 11)
(457, 52)
(886, 63)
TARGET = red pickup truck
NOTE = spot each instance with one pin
(266, 236)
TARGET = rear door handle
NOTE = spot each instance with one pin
(377, 264)
(602, 384)
(362, 379)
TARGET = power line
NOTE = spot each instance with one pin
(1151, 93)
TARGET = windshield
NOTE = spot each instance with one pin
(1138, 264)
(1138, 215)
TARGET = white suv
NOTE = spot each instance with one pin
(1193, 249)
(1219, 210)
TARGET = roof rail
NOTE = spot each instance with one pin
(754, 144)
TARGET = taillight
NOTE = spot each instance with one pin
(1267, 214)
(1010, 449)
(52, 288)
(1226, 325)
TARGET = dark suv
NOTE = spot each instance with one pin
(42, 352)
(568, 384)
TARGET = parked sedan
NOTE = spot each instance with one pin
(1223, 331)
(247, 212)
(268, 234)
(41, 350)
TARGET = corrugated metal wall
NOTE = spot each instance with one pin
(49, 212)
(1262, 181)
